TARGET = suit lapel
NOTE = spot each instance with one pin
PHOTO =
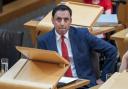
(73, 42)
(52, 42)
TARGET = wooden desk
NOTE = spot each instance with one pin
(100, 30)
(75, 85)
(32, 24)
(119, 39)
(21, 7)
(17, 67)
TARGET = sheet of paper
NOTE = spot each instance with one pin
(107, 20)
(67, 79)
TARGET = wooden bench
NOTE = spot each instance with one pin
(21, 7)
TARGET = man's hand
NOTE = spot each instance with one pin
(99, 81)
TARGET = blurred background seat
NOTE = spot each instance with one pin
(8, 41)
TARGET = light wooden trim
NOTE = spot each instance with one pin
(20, 7)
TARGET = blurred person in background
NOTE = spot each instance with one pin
(106, 4)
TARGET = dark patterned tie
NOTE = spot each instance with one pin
(65, 55)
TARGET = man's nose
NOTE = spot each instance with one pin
(62, 22)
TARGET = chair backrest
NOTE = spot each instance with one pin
(8, 41)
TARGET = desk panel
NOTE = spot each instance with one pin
(119, 39)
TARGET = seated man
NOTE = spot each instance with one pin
(124, 63)
(76, 45)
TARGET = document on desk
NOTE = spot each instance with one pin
(67, 80)
(107, 20)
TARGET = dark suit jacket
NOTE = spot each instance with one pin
(82, 44)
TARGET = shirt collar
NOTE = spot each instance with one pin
(58, 36)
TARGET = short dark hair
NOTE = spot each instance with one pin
(61, 7)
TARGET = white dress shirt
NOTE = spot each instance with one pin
(67, 42)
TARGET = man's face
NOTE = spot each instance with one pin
(62, 21)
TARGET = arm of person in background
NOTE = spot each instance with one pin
(108, 11)
(107, 4)
(124, 63)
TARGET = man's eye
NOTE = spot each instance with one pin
(66, 19)
(59, 19)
